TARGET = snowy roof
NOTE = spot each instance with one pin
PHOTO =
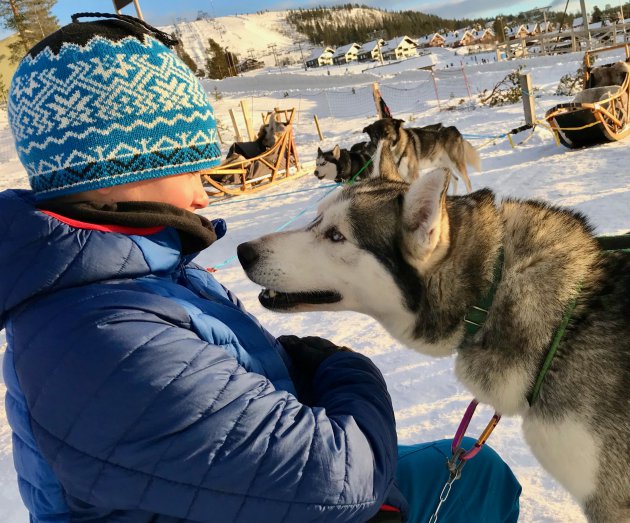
(455, 36)
(318, 51)
(579, 21)
(368, 47)
(480, 33)
(427, 38)
(531, 28)
(516, 29)
(343, 50)
(394, 43)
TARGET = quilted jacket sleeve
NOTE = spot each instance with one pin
(134, 411)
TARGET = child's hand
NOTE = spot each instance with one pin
(307, 354)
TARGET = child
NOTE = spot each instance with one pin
(138, 388)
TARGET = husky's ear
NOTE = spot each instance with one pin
(320, 152)
(424, 214)
(384, 164)
(336, 152)
(397, 123)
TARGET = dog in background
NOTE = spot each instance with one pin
(609, 74)
(416, 149)
(418, 261)
(268, 134)
(341, 165)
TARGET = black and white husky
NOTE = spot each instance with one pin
(418, 260)
(418, 149)
(341, 165)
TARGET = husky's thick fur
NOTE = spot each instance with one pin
(417, 260)
(417, 149)
(342, 165)
(609, 74)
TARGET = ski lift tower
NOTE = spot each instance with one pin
(119, 4)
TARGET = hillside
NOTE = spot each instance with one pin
(246, 35)
(6, 67)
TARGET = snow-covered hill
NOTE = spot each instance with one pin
(247, 35)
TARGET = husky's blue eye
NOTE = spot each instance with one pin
(334, 235)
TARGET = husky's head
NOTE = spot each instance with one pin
(384, 129)
(369, 250)
(326, 163)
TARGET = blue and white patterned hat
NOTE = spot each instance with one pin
(105, 103)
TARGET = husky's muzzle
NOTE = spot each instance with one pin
(249, 255)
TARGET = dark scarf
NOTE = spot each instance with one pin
(195, 232)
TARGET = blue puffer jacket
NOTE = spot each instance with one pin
(140, 390)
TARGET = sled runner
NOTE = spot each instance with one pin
(244, 175)
(599, 113)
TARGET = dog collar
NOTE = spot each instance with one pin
(477, 314)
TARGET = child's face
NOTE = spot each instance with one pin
(181, 190)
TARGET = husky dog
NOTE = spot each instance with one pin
(609, 74)
(422, 148)
(342, 165)
(268, 134)
(418, 260)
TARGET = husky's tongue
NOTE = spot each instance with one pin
(275, 300)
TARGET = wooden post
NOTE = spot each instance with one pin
(219, 135)
(437, 96)
(237, 133)
(248, 121)
(319, 131)
(525, 82)
(376, 93)
(466, 82)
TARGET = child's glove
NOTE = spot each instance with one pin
(307, 354)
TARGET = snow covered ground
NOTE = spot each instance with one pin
(428, 400)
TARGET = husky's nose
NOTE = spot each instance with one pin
(247, 254)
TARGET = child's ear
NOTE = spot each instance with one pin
(424, 214)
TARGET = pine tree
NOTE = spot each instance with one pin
(220, 64)
(185, 57)
(31, 20)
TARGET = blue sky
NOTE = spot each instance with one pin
(163, 12)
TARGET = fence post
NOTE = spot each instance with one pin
(319, 131)
(376, 94)
(219, 134)
(466, 82)
(525, 82)
(437, 96)
(248, 121)
(237, 133)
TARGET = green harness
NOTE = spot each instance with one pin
(476, 316)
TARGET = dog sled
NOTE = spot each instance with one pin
(599, 113)
(245, 175)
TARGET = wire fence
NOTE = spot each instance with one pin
(405, 100)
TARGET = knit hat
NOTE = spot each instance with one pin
(104, 103)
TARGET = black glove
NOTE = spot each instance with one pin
(307, 354)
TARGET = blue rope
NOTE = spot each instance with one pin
(484, 136)
(286, 224)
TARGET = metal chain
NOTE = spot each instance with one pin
(454, 464)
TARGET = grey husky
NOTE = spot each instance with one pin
(418, 260)
(423, 148)
(342, 165)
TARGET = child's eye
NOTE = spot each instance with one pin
(334, 235)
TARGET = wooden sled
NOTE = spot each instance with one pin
(279, 163)
(591, 123)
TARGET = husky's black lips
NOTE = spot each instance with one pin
(286, 300)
